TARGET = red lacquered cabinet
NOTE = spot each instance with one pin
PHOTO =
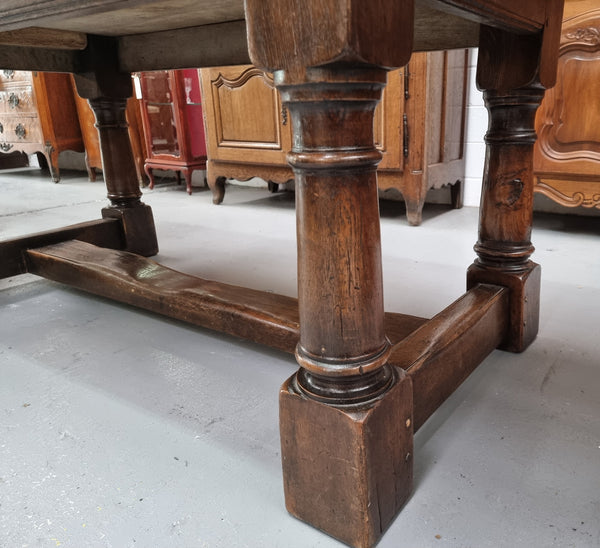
(173, 125)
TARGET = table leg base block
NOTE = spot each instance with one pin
(524, 301)
(138, 228)
(348, 470)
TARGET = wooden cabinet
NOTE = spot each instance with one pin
(247, 130)
(173, 126)
(419, 127)
(567, 154)
(87, 121)
(38, 114)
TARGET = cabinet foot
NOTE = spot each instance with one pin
(217, 187)
(414, 212)
(456, 194)
(150, 175)
(51, 156)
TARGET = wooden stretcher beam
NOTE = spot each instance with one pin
(102, 232)
(438, 354)
(442, 353)
(30, 58)
(36, 37)
(259, 316)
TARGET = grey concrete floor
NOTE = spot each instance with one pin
(119, 428)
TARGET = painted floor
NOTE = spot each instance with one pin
(121, 429)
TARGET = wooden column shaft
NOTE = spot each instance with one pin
(343, 346)
(507, 195)
(118, 164)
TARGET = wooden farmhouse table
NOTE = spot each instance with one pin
(367, 379)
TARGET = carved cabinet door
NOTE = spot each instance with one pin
(391, 122)
(247, 121)
(567, 154)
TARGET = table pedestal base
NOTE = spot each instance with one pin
(347, 470)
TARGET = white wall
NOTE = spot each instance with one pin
(477, 121)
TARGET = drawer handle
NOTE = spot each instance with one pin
(1, 128)
(20, 131)
(5, 147)
(8, 73)
(13, 100)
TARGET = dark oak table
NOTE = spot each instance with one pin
(367, 379)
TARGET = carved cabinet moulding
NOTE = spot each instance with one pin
(244, 77)
(587, 35)
(581, 30)
(574, 199)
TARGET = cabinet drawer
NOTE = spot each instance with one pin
(20, 129)
(14, 76)
(17, 101)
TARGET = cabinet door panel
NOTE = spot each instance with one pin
(389, 122)
(567, 153)
(573, 129)
(157, 100)
(261, 134)
(568, 120)
(455, 94)
(191, 105)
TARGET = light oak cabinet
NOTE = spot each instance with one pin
(567, 153)
(419, 127)
(38, 114)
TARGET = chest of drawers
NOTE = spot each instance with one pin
(38, 114)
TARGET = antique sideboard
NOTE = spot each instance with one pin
(419, 128)
(367, 379)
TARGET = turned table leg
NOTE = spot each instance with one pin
(512, 94)
(504, 244)
(107, 91)
(346, 416)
